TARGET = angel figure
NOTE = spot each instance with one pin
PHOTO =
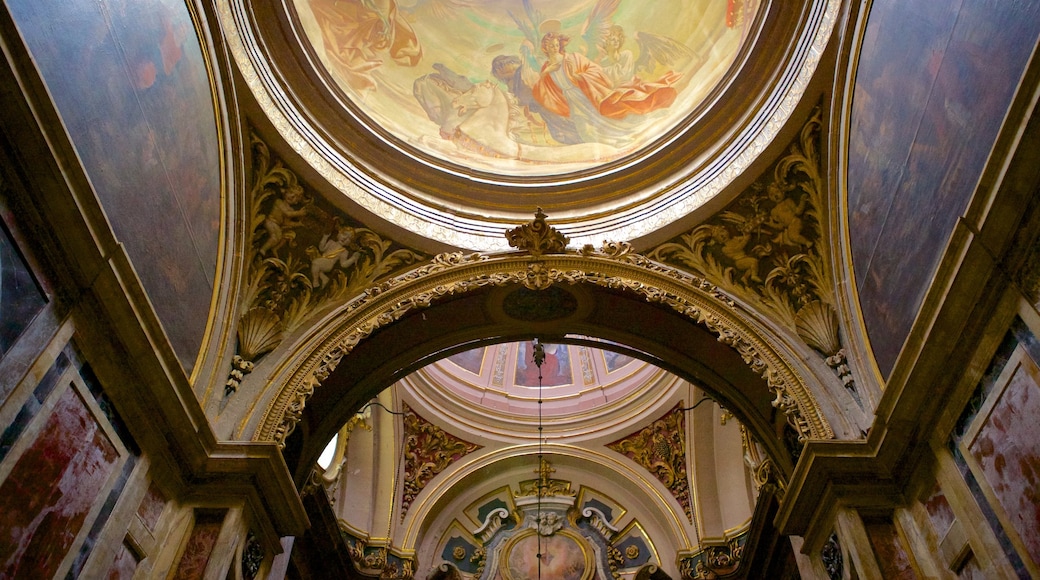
(603, 101)
(617, 62)
(283, 218)
(331, 251)
(735, 248)
(787, 216)
(569, 77)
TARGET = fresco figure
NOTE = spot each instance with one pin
(573, 86)
(485, 120)
(618, 64)
(283, 219)
(564, 70)
(356, 34)
(436, 91)
(555, 369)
(518, 79)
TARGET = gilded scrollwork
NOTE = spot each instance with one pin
(304, 255)
(614, 266)
(537, 237)
(428, 450)
(660, 448)
(765, 247)
(716, 560)
(479, 558)
(376, 561)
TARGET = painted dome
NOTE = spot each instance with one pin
(453, 120)
(531, 88)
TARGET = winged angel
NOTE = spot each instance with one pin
(591, 102)
(599, 88)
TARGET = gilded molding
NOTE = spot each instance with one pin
(303, 256)
(428, 450)
(660, 448)
(766, 248)
(614, 266)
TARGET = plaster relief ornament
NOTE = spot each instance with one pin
(537, 237)
(765, 247)
(428, 450)
(615, 265)
(661, 449)
(304, 256)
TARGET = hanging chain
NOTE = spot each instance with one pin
(539, 358)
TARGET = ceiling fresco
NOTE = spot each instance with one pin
(532, 88)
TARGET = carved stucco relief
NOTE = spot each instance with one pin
(765, 248)
(614, 266)
(303, 255)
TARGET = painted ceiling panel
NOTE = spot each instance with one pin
(147, 138)
(934, 82)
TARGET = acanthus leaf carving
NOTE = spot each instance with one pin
(428, 450)
(537, 237)
(791, 396)
(660, 448)
(303, 256)
(765, 248)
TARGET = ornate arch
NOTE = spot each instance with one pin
(613, 266)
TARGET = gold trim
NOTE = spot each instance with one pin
(204, 40)
(849, 301)
(582, 543)
(615, 266)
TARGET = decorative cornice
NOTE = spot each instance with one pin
(614, 266)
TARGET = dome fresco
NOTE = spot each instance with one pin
(532, 88)
(575, 379)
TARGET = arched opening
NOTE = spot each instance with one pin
(654, 332)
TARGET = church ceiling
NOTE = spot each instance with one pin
(401, 107)
(470, 84)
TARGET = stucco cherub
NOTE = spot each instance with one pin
(787, 216)
(735, 248)
(283, 218)
(331, 251)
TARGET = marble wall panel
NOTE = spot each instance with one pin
(939, 512)
(124, 564)
(891, 555)
(45, 500)
(1006, 449)
(151, 507)
(203, 539)
(21, 298)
